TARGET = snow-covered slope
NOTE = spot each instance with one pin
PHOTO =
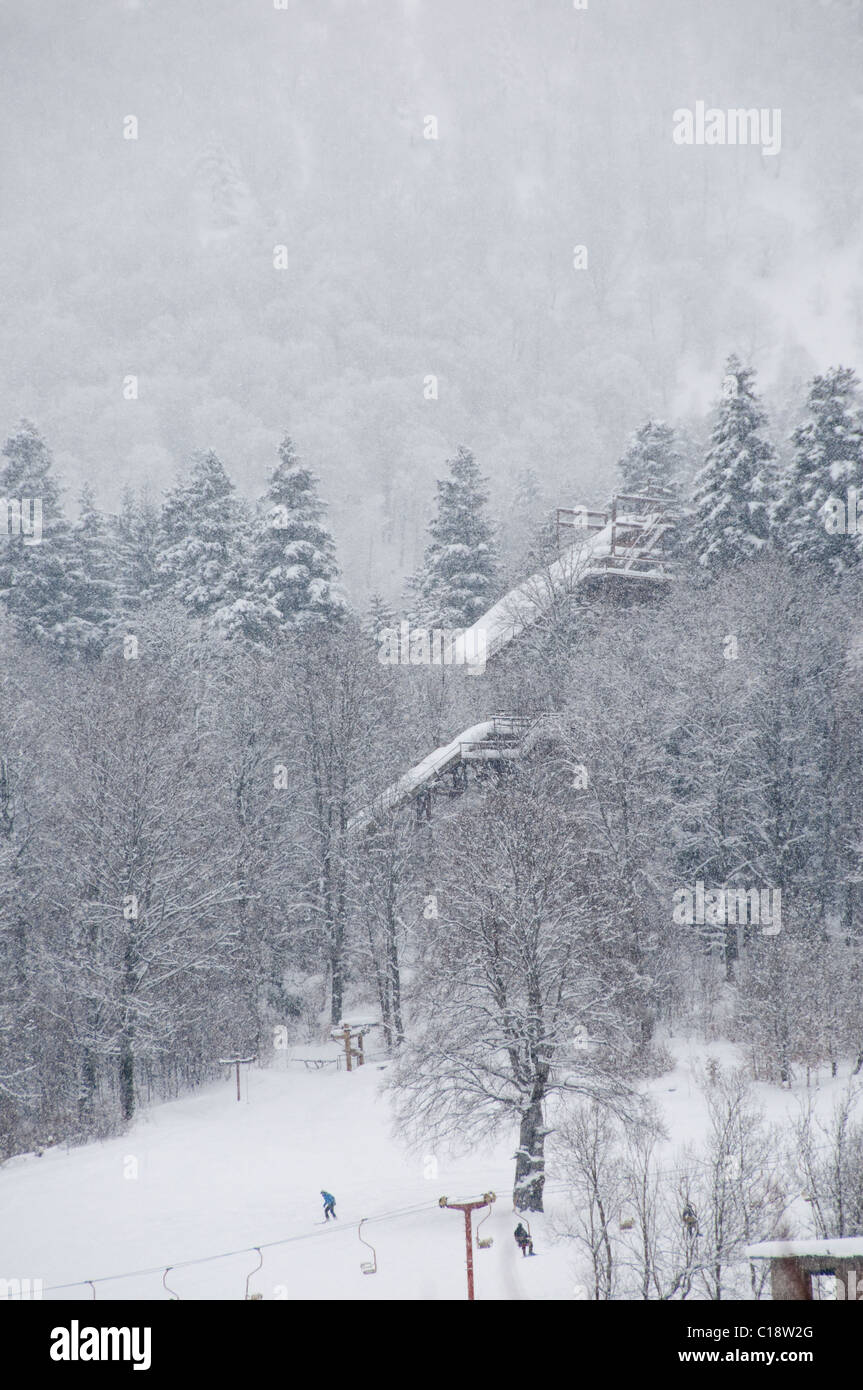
(215, 1176)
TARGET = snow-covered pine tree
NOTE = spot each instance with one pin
(459, 577)
(292, 566)
(650, 459)
(202, 538)
(730, 522)
(222, 198)
(136, 529)
(378, 616)
(524, 510)
(93, 564)
(828, 462)
(542, 549)
(38, 575)
(527, 493)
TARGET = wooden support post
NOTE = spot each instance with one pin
(237, 1062)
(351, 1038)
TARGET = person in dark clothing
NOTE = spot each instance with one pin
(689, 1217)
(523, 1240)
(329, 1205)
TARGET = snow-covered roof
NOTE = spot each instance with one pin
(840, 1248)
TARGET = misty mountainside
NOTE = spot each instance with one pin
(359, 222)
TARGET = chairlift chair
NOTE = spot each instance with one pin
(485, 1242)
(254, 1271)
(370, 1266)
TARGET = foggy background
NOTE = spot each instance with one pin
(408, 257)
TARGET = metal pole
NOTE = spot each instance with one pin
(468, 1208)
(238, 1081)
(468, 1242)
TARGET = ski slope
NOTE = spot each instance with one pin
(215, 1176)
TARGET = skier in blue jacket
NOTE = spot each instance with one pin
(329, 1205)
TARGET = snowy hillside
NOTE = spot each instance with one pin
(216, 1176)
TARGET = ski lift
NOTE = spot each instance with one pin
(626, 1223)
(370, 1266)
(254, 1271)
(166, 1285)
(93, 1287)
(484, 1242)
(524, 1221)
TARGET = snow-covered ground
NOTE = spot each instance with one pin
(215, 1175)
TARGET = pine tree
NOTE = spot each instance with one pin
(93, 565)
(292, 568)
(38, 574)
(458, 579)
(202, 535)
(732, 492)
(828, 462)
(650, 459)
(542, 549)
(223, 200)
(378, 616)
(527, 493)
(136, 529)
(518, 530)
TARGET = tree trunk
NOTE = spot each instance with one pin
(382, 989)
(126, 1070)
(731, 953)
(530, 1160)
(127, 1077)
(394, 977)
(338, 985)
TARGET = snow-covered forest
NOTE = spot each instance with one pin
(193, 714)
(430, 591)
